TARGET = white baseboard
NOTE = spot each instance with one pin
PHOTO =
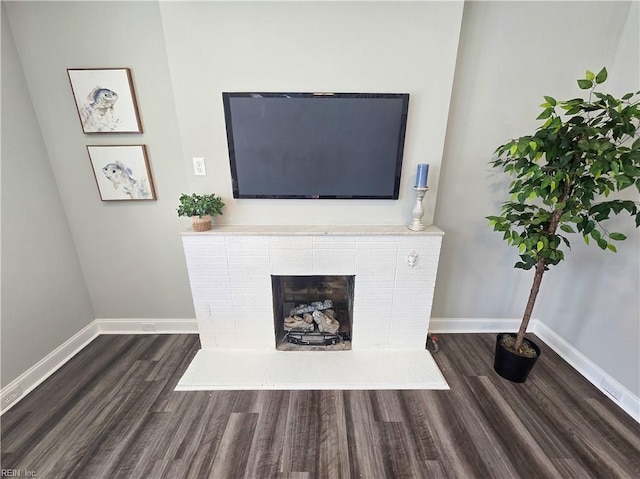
(587, 368)
(596, 376)
(147, 326)
(13, 392)
(35, 375)
(473, 325)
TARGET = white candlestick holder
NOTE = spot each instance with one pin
(418, 210)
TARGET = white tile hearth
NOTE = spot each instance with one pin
(254, 369)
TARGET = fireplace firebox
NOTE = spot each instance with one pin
(313, 313)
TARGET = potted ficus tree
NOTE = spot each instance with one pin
(201, 209)
(564, 175)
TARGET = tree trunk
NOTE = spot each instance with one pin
(540, 268)
(537, 279)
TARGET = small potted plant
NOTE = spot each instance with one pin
(201, 209)
(563, 175)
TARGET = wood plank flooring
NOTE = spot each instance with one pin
(111, 412)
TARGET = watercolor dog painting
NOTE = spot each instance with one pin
(122, 172)
(105, 100)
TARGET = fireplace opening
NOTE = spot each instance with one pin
(313, 313)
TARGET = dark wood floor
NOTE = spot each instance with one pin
(111, 412)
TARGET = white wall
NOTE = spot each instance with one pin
(182, 55)
(44, 296)
(594, 303)
(130, 251)
(511, 54)
(305, 47)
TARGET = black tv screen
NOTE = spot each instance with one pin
(310, 145)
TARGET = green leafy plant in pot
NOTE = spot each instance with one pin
(563, 175)
(201, 209)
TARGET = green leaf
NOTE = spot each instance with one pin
(522, 248)
(612, 248)
(545, 114)
(514, 149)
(517, 239)
(602, 244)
(590, 76)
(586, 239)
(617, 236)
(583, 144)
(623, 181)
(585, 84)
(601, 77)
(522, 146)
(615, 167)
(550, 100)
(540, 245)
(567, 229)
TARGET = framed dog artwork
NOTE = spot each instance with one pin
(105, 100)
(122, 172)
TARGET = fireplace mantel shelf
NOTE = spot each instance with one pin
(315, 230)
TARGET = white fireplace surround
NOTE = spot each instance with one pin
(230, 270)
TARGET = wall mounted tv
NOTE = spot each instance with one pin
(316, 145)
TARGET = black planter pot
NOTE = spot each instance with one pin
(510, 365)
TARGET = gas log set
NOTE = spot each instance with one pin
(313, 324)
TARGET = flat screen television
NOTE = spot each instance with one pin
(317, 146)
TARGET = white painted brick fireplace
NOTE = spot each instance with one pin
(230, 270)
